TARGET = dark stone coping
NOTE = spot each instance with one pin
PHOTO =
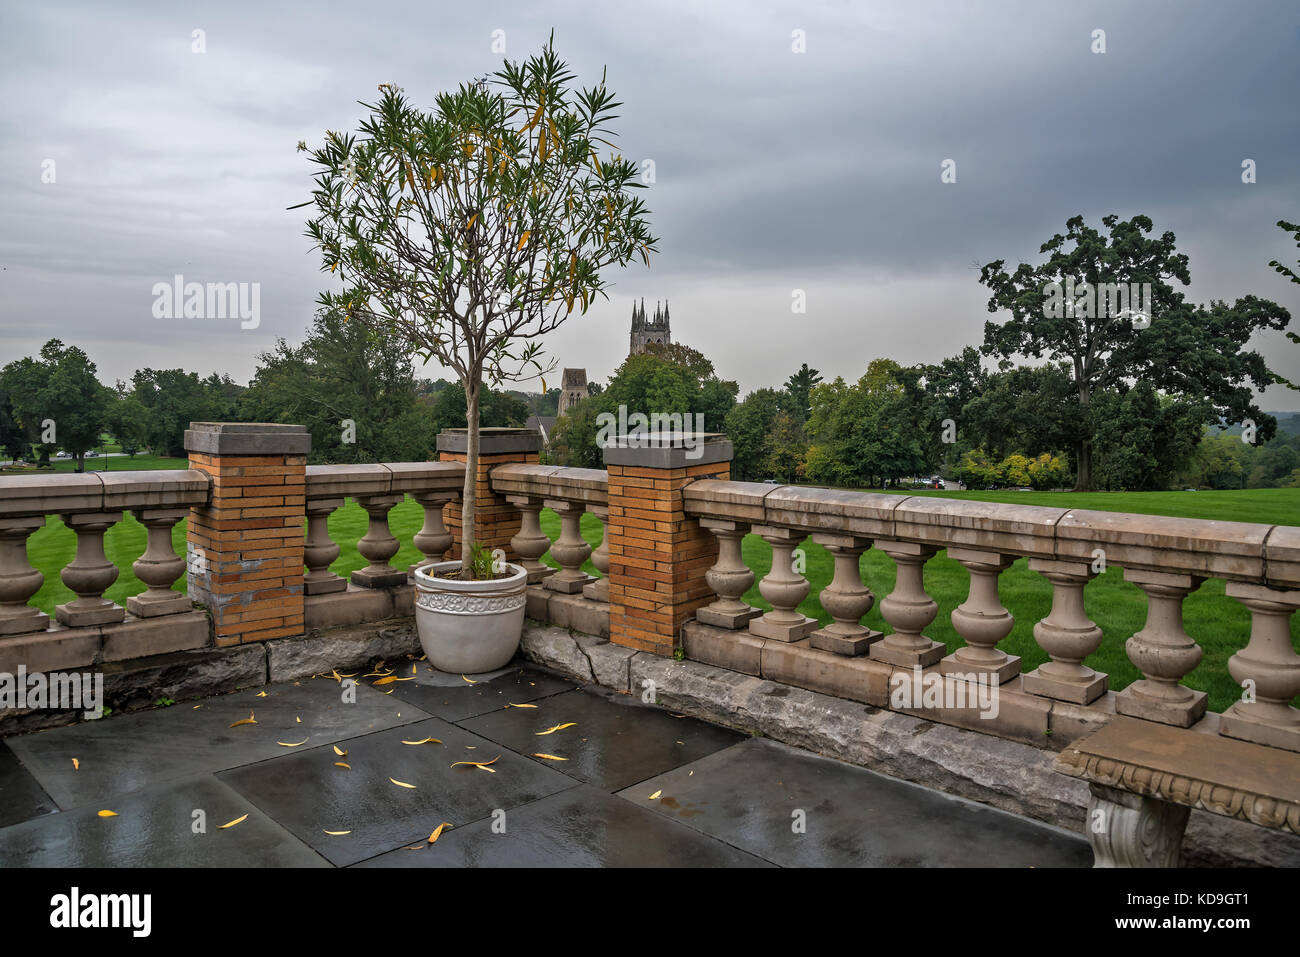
(491, 441)
(247, 438)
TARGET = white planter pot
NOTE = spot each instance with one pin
(469, 627)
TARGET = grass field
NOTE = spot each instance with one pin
(1218, 624)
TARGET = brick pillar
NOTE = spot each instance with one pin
(657, 554)
(496, 520)
(245, 547)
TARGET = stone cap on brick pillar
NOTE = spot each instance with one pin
(667, 450)
(493, 441)
(247, 438)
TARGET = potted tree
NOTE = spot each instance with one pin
(471, 231)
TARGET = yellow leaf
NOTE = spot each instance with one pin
(340, 764)
(108, 814)
(222, 827)
(470, 680)
(523, 239)
(550, 757)
(479, 764)
(76, 765)
(656, 795)
(340, 752)
(297, 719)
(558, 727)
(402, 784)
(292, 744)
(437, 832)
(513, 705)
(260, 694)
(413, 667)
(338, 833)
(470, 224)
(385, 681)
(424, 741)
(249, 720)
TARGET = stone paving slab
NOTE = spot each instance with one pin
(125, 753)
(580, 827)
(309, 795)
(748, 796)
(154, 828)
(615, 742)
(21, 797)
(452, 698)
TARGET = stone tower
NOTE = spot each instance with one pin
(646, 331)
(573, 389)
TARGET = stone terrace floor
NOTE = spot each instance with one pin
(641, 787)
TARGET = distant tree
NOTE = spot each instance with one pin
(14, 443)
(496, 409)
(128, 420)
(173, 398)
(1185, 351)
(799, 388)
(1140, 437)
(59, 388)
(354, 389)
(749, 426)
(1283, 270)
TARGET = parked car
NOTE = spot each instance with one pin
(770, 482)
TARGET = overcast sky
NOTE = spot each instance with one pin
(775, 170)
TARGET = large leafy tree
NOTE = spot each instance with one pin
(172, 399)
(478, 227)
(1282, 269)
(1186, 351)
(59, 387)
(799, 389)
(355, 392)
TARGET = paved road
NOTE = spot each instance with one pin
(640, 786)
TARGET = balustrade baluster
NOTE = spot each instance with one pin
(320, 550)
(729, 578)
(530, 543)
(159, 566)
(784, 588)
(1272, 668)
(981, 620)
(570, 549)
(19, 581)
(908, 609)
(1068, 635)
(846, 598)
(378, 545)
(599, 589)
(1163, 652)
(433, 539)
(91, 573)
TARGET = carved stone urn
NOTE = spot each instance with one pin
(469, 627)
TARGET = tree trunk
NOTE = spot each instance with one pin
(469, 494)
(1083, 466)
(81, 461)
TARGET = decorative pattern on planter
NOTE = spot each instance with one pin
(469, 604)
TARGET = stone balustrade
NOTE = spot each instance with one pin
(91, 628)
(1166, 558)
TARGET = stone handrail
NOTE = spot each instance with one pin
(1167, 558)
(569, 492)
(90, 504)
(376, 488)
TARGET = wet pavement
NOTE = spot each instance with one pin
(567, 776)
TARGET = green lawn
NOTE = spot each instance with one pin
(113, 463)
(1218, 624)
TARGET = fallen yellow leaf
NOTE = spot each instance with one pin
(550, 757)
(402, 784)
(413, 667)
(108, 814)
(340, 764)
(338, 833)
(558, 727)
(385, 681)
(298, 719)
(424, 741)
(260, 694)
(437, 832)
(249, 720)
(292, 744)
(222, 827)
(340, 752)
(470, 680)
(513, 705)
(76, 765)
(481, 765)
(656, 794)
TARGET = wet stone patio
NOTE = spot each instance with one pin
(640, 786)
